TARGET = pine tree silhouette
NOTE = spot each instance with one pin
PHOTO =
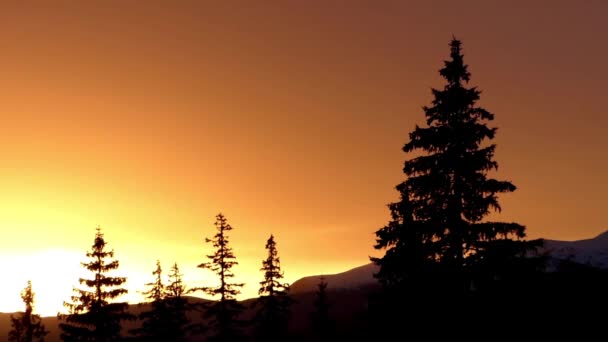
(223, 313)
(27, 326)
(322, 324)
(166, 319)
(438, 222)
(156, 320)
(177, 305)
(272, 317)
(92, 314)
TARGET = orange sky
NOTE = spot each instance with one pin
(148, 118)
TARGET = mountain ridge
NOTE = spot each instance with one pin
(592, 252)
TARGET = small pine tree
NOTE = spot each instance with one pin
(322, 324)
(223, 313)
(155, 321)
(27, 326)
(177, 305)
(92, 316)
(272, 317)
(166, 319)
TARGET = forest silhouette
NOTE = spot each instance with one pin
(446, 271)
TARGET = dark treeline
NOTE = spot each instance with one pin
(446, 271)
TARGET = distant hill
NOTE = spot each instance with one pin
(347, 293)
(52, 323)
(49, 322)
(357, 278)
(346, 308)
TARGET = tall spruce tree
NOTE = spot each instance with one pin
(438, 223)
(272, 317)
(27, 326)
(322, 324)
(92, 314)
(223, 313)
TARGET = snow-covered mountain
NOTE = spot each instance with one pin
(593, 252)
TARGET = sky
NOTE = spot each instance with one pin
(149, 118)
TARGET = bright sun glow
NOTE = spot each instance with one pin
(53, 272)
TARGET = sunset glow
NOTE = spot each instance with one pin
(149, 118)
(52, 284)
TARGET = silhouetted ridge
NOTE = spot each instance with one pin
(355, 278)
(603, 236)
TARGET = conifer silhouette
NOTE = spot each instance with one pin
(322, 324)
(438, 222)
(92, 314)
(272, 316)
(154, 324)
(177, 305)
(223, 313)
(27, 326)
(166, 319)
